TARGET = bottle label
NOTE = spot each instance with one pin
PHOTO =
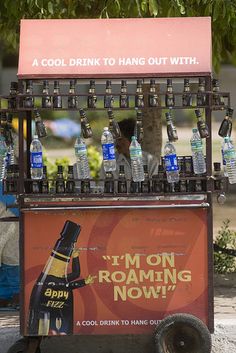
(36, 160)
(80, 150)
(223, 157)
(135, 152)
(229, 154)
(108, 151)
(171, 163)
(196, 146)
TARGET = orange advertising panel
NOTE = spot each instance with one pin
(113, 271)
(114, 47)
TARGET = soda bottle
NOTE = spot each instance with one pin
(3, 154)
(201, 125)
(92, 98)
(139, 97)
(72, 98)
(57, 98)
(12, 102)
(109, 183)
(60, 183)
(171, 163)
(152, 96)
(226, 125)
(108, 98)
(171, 129)
(85, 126)
(108, 151)
(201, 95)
(145, 185)
(70, 182)
(122, 183)
(169, 97)
(44, 183)
(81, 159)
(124, 98)
(187, 95)
(217, 98)
(36, 158)
(199, 164)
(29, 100)
(136, 158)
(39, 125)
(230, 158)
(46, 99)
(113, 125)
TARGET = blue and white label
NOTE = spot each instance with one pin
(36, 160)
(171, 163)
(80, 149)
(108, 151)
(135, 152)
(223, 157)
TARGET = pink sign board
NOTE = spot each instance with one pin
(115, 47)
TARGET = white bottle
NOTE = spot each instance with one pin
(136, 158)
(199, 164)
(230, 159)
(171, 163)
(36, 158)
(82, 164)
(108, 151)
(3, 154)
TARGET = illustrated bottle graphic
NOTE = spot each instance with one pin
(108, 98)
(199, 164)
(230, 159)
(46, 99)
(85, 126)
(51, 298)
(201, 125)
(113, 125)
(139, 97)
(226, 125)
(57, 98)
(108, 151)
(36, 158)
(29, 100)
(201, 95)
(169, 97)
(124, 98)
(136, 158)
(39, 125)
(187, 98)
(92, 98)
(171, 163)
(171, 129)
(72, 98)
(152, 96)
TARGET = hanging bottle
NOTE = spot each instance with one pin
(201, 95)
(29, 100)
(92, 98)
(171, 163)
(230, 159)
(82, 163)
(139, 127)
(108, 151)
(201, 125)
(169, 97)
(226, 125)
(124, 98)
(46, 99)
(113, 125)
(85, 126)
(187, 98)
(139, 97)
(108, 98)
(72, 98)
(12, 101)
(57, 98)
(39, 125)
(199, 164)
(217, 98)
(136, 158)
(152, 96)
(171, 129)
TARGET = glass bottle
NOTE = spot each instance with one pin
(217, 98)
(44, 182)
(85, 126)
(113, 125)
(122, 183)
(152, 96)
(169, 97)
(39, 125)
(72, 98)
(226, 125)
(92, 98)
(124, 98)
(187, 99)
(109, 183)
(29, 100)
(171, 129)
(145, 184)
(108, 98)
(201, 95)
(139, 97)
(57, 98)
(60, 183)
(139, 127)
(201, 125)
(46, 99)
(70, 182)
(12, 101)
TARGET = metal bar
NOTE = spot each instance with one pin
(210, 265)
(209, 139)
(28, 140)
(9, 219)
(21, 153)
(112, 207)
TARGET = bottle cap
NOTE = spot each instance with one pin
(45, 83)
(81, 111)
(14, 86)
(36, 136)
(229, 112)
(186, 81)
(226, 138)
(139, 82)
(72, 83)
(108, 83)
(56, 84)
(133, 138)
(123, 83)
(217, 166)
(198, 113)
(152, 81)
(194, 130)
(169, 81)
(105, 128)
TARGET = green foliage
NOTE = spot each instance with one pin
(226, 238)
(222, 12)
(95, 160)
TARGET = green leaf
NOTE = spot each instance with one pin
(50, 8)
(153, 8)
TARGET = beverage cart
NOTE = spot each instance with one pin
(143, 271)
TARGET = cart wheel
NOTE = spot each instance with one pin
(21, 346)
(182, 333)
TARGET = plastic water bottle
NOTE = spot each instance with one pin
(81, 159)
(171, 163)
(136, 158)
(199, 164)
(108, 151)
(223, 160)
(3, 154)
(36, 158)
(230, 158)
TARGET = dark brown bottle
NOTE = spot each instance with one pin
(85, 186)
(92, 98)
(113, 125)
(124, 98)
(44, 181)
(108, 98)
(57, 98)
(70, 182)
(12, 101)
(139, 127)
(171, 129)
(51, 301)
(46, 99)
(12, 175)
(219, 180)
(39, 125)
(226, 125)
(72, 98)
(109, 183)
(201, 95)
(217, 98)
(60, 183)
(152, 96)
(122, 183)
(187, 99)
(29, 100)
(169, 97)
(139, 97)
(201, 125)
(145, 185)
(85, 126)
